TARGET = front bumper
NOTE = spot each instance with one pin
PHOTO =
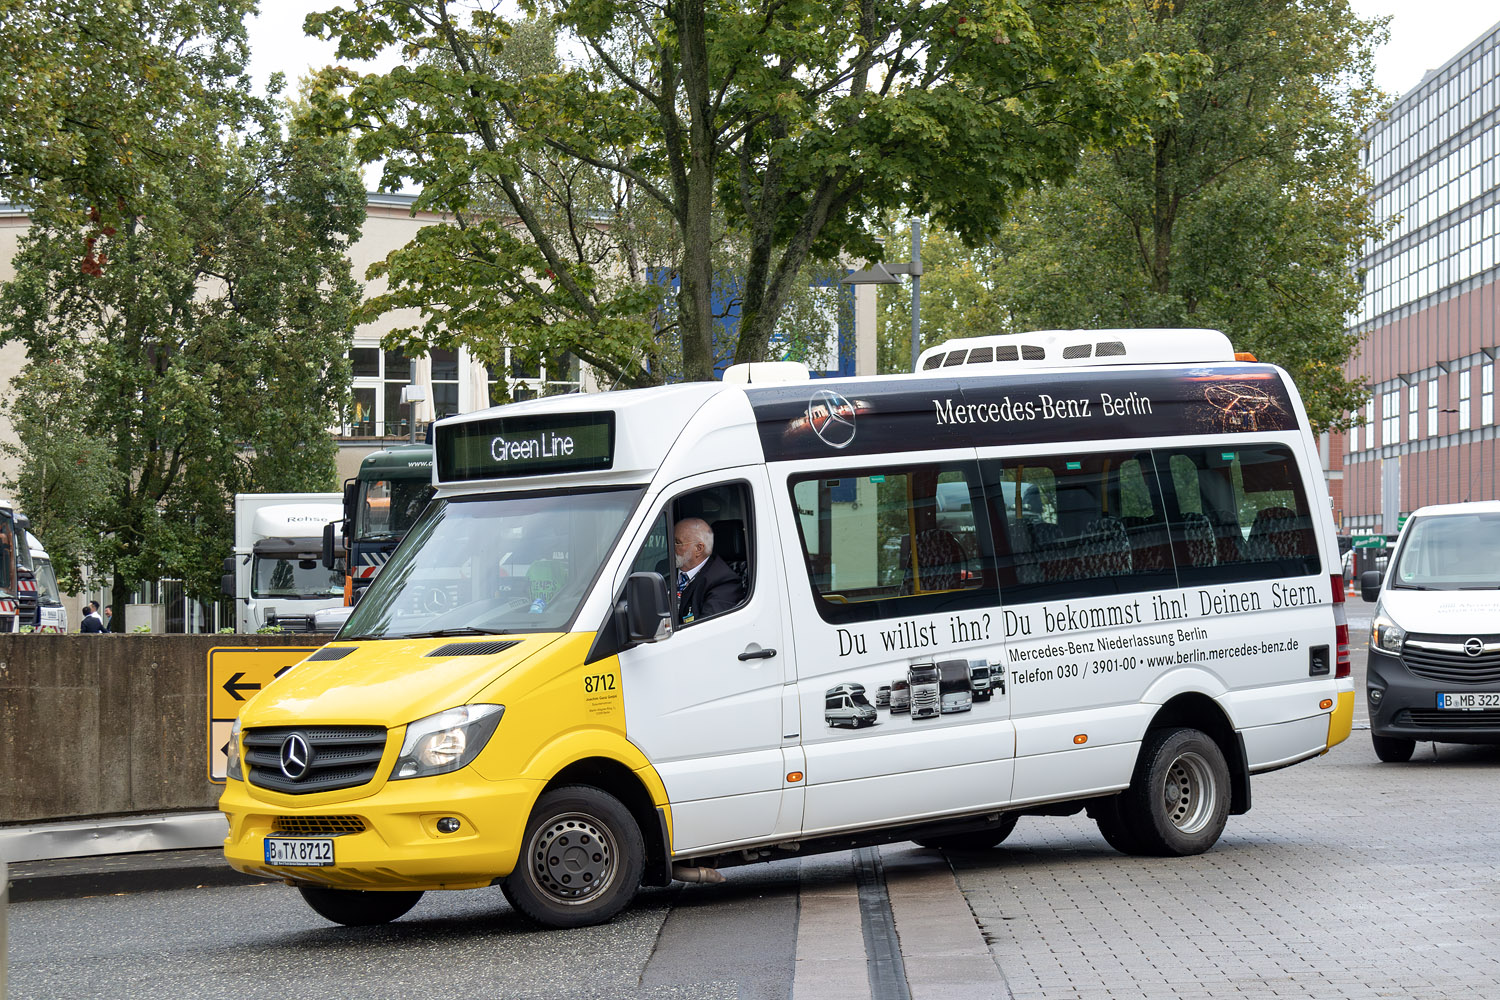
(1407, 707)
(395, 843)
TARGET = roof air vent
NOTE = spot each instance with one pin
(1031, 353)
(1007, 352)
(1077, 351)
(954, 358)
(981, 355)
(1109, 349)
(935, 361)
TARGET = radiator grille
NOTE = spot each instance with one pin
(338, 757)
(1436, 718)
(317, 826)
(1452, 663)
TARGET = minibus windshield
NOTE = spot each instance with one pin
(493, 565)
(1450, 552)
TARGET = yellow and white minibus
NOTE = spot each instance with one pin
(1129, 529)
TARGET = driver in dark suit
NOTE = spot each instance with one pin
(705, 583)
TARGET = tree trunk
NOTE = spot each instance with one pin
(119, 595)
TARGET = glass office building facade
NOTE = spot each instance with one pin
(1429, 321)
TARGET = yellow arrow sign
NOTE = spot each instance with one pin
(235, 675)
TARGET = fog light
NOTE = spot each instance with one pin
(448, 825)
(1375, 694)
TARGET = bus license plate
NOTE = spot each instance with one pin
(300, 852)
(1470, 701)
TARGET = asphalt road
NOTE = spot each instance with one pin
(1348, 878)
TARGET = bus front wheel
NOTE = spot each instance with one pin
(581, 859)
(359, 907)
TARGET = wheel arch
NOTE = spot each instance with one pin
(609, 775)
(1194, 710)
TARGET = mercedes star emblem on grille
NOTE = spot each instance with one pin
(295, 756)
(1473, 647)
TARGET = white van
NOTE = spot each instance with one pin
(1434, 666)
(52, 616)
(1144, 555)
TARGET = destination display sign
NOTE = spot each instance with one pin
(511, 447)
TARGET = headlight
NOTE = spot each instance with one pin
(446, 741)
(1386, 635)
(232, 765)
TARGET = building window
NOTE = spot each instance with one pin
(1390, 417)
(444, 383)
(1412, 428)
(1464, 413)
(1432, 407)
(1370, 424)
(375, 408)
(1487, 395)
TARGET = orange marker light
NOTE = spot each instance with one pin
(1243, 356)
(1081, 739)
(794, 776)
(1326, 703)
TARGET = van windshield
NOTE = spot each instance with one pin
(493, 564)
(46, 582)
(1450, 552)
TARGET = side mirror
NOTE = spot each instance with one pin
(351, 490)
(1369, 585)
(226, 584)
(648, 608)
(330, 560)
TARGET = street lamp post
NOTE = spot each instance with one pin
(885, 274)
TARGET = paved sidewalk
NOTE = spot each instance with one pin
(70, 878)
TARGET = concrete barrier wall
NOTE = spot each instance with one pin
(98, 725)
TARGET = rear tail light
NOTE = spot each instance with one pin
(1342, 666)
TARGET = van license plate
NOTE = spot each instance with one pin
(1470, 701)
(301, 852)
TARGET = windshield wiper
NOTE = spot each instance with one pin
(442, 633)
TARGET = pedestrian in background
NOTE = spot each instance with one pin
(109, 618)
(92, 621)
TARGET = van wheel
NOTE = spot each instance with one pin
(1393, 749)
(1178, 801)
(977, 840)
(358, 907)
(581, 859)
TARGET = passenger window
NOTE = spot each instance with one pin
(1078, 526)
(880, 543)
(1239, 514)
(718, 518)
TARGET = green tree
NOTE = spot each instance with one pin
(794, 123)
(198, 350)
(102, 100)
(1245, 210)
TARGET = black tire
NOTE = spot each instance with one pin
(357, 907)
(1113, 827)
(977, 840)
(1178, 800)
(581, 859)
(1393, 749)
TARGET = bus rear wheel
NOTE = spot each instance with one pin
(358, 907)
(1178, 800)
(581, 859)
(977, 840)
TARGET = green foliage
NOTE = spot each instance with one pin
(1245, 208)
(683, 130)
(270, 630)
(195, 350)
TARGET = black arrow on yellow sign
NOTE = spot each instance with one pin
(233, 687)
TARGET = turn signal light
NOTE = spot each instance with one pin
(794, 776)
(1243, 356)
(1081, 739)
(1326, 704)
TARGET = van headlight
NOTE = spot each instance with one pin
(446, 741)
(232, 753)
(1386, 635)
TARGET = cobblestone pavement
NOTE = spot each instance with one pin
(1348, 878)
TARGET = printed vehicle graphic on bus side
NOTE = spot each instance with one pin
(846, 706)
(923, 680)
